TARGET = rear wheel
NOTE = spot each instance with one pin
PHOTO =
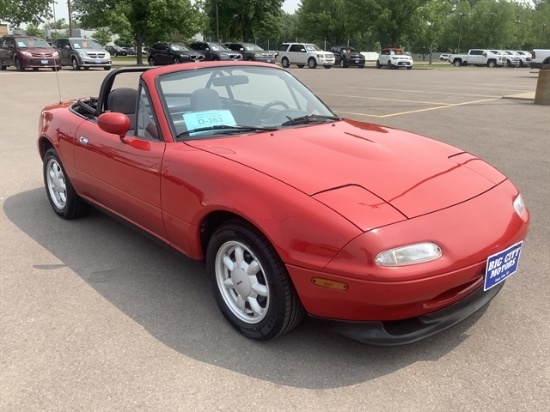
(285, 63)
(327, 66)
(300, 66)
(491, 63)
(457, 63)
(63, 198)
(250, 282)
(312, 63)
(378, 65)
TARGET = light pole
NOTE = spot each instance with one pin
(542, 35)
(217, 24)
(459, 32)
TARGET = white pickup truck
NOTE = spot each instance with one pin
(540, 57)
(478, 57)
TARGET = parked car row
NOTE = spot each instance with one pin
(490, 58)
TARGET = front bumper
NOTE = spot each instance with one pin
(403, 332)
(41, 63)
(90, 62)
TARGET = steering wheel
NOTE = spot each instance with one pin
(264, 109)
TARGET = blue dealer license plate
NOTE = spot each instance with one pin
(501, 265)
(43, 62)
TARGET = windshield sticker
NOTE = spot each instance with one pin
(199, 120)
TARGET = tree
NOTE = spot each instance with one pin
(33, 30)
(243, 19)
(17, 12)
(147, 20)
(102, 36)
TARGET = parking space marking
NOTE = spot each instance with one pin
(381, 98)
(380, 116)
(428, 92)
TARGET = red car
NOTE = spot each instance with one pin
(388, 236)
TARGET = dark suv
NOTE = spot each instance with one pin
(252, 52)
(27, 52)
(347, 56)
(162, 53)
(215, 51)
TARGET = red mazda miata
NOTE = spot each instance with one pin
(388, 236)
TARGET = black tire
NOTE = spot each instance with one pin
(285, 63)
(61, 194)
(87, 68)
(362, 66)
(457, 63)
(409, 67)
(2, 67)
(255, 295)
(343, 64)
(18, 66)
(491, 63)
(328, 66)
(300, 66)
(56, 68)
(74, 64)
(312, 63)
(176, 60)
(151, 61)
(378, 65)
(106, 67)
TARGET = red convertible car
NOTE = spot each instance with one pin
(388, 236)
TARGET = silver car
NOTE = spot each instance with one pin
(82, 52)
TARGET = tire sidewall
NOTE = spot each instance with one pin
(51, 156)
(268, 327)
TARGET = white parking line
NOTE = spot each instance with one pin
(391, 100)
(419, 110)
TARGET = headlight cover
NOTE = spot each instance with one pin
(409, 255)
(519, 205)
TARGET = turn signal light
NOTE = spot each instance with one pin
(330, 284)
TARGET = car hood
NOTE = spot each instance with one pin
(350, 166)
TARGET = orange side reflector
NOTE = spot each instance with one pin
(331, 284)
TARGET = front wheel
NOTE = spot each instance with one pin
(106, 67)
(151, 61)
(491, 63)
(74, 63)
(457, 63)
(61, 194)
(285, 63)
(300, 66)
(176, 60)
(312, 63)
(327, 66)
(18, 66)
(378, 65)
(250, 282)
(409, 68)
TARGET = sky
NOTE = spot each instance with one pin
(61, 11)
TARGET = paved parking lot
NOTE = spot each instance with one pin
(94, 316)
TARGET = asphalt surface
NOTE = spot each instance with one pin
(96, 317)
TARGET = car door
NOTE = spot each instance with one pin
(123, 174)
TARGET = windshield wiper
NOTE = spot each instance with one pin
(311, 118)
(227, 129)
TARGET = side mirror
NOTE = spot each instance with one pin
(484, 54)
(114, 123)
(302, 50)
(67, 47)
(207, 49)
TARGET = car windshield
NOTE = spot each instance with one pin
(179, 47)
(312, 47)
(32, 43)
(86, 44)
(224, 101)
(252, 47)
(218, 47)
